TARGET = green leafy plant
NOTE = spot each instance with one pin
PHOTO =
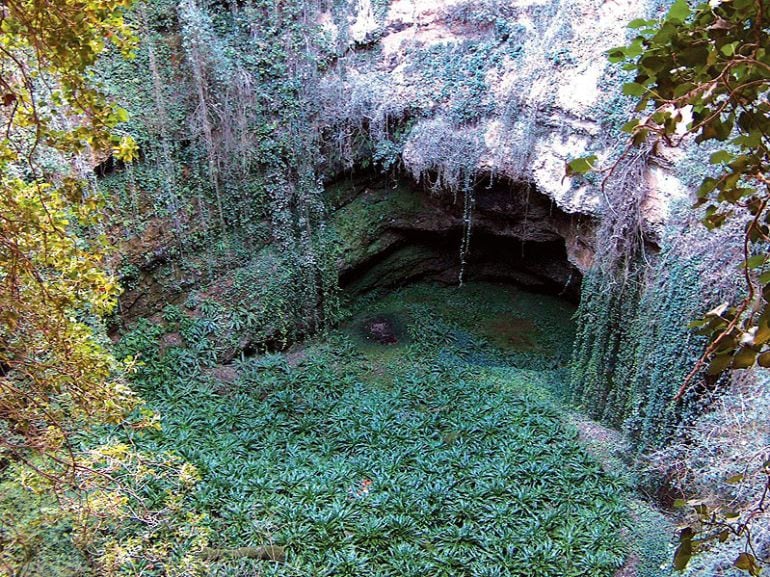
(718, 524)
(55, 374)
(428, 456)
(704, 71)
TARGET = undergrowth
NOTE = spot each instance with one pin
(431, 456)
(441, 453)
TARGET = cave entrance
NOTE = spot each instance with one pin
(409, 234)
(430, 256)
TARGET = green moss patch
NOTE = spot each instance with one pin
(361, 223)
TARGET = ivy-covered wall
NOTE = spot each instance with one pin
(223, 102)
(242, 109)
(634, 346)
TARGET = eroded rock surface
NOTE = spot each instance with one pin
(507, 92)
(461, 116)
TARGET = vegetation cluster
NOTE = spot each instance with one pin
(443, 451)
(432, 455)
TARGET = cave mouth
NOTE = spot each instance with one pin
(435, 257)
(517, 236)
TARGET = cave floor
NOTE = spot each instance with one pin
(423, 437)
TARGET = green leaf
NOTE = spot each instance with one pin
(640, 23)
(755, 261)
(683, 554)
(636, 48)
(720, 157)
(679, 11)
(634, 89)
(708, 185)
(747, 562)
(630, 125)
(744, 358)
(734, 479)
(715, 220)
(617, 55)
(127, 149)
(581, 165)
(724, 535)
(640, 136)
(719, 364)
(729, 49)
(121, 114)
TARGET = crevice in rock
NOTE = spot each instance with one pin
(433, 256)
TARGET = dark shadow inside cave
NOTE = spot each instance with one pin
(518, 236)
(421, 256)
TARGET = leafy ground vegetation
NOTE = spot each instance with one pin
(427, 447)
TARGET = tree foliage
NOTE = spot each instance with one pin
(124, 510)
(705, 72)
(53, 371)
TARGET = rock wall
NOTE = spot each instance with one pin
(503, 93)
(394, 232)
(473, 108)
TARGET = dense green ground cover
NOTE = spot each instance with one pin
(436, 455)
(443, 452)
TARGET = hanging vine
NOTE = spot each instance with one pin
(634, 346)
(469, 201)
